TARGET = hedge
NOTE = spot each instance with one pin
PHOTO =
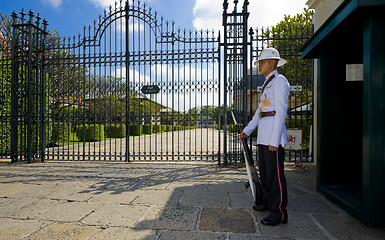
(135, 130)
(147, 129)
(93, 133)
(115, 131)
(157, 128)
(61, 132)
(5, 140)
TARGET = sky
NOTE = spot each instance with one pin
(69, 17)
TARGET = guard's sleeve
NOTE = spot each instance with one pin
(281, 95)
(253, 124)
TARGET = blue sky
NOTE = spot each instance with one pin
(70, 16)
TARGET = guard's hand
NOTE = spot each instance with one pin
(272, 148)
(242, 135)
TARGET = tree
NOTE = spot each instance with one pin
(288, 36)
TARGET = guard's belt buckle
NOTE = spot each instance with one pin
(260, 115)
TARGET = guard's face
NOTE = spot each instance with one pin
(263, 66)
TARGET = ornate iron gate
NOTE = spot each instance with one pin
(134, 87)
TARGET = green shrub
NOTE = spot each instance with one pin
(147, 129)
(61, 132)
(157, 128)
(93, 133)
(168, 128)
(135, 130)
(115, 131)
(73, 137)
(164, 128)
(5, 140)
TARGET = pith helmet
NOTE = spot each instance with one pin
(270, 53)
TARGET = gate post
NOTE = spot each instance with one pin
(28, 88)
(14, 98)
(225, 57)
(235, 67)
(127, 63)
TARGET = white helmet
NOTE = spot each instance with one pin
(270, 53)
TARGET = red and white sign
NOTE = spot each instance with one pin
(294, 139)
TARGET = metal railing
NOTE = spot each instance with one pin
(134, 87)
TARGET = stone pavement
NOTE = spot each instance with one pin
(155, 200)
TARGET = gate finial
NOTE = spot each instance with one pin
(30, 14)
(22, 15)
(14, 17)
(225, 5)
(38, 19)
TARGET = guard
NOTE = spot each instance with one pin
(270, 119)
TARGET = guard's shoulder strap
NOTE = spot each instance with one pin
(267, 82)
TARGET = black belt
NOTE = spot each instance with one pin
(266, 114)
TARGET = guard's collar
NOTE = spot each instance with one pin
(275, 72)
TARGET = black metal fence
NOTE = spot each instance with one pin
(23, 84)
(134, 87)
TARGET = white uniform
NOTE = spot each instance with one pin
(272, 129)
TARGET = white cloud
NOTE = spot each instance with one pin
(107, 3)
(269, 13)
(54, 3)
(208, 14)
(134, 25)
(133, 75)
(102, 3)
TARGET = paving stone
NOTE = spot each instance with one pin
(34, 191)
(70, 193)
(204, 199)
(170, 218)
(243, 236)
(116, 215)
(10, 188)
(151, 184)
(17, 229)
(308, 202)
(28, 208)
(192, 235)
(126, 233)
(5, 201)
(61, 231)
(345, 227)
(227, 220)
(157, 197)
(227, 186)
(158, 201)
(112, 185)
(113, 197)
(300, 226)
(241, 200)
(13, 205)
(68, 211)
(187, 186)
